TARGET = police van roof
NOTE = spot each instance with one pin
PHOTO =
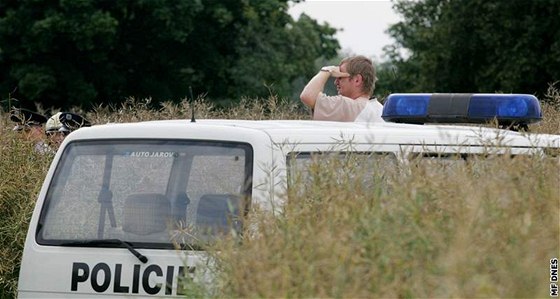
(306, 131)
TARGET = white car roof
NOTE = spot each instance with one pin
(307, 131)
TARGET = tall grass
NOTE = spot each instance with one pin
(478, 230)
(22, 171)
(471, 233)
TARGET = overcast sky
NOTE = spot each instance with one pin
(363, 22)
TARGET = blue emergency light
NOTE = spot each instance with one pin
(420, 108)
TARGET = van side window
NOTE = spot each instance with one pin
(432, 163)
(371, 168)
(457, 157)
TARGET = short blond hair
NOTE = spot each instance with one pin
(361, 65)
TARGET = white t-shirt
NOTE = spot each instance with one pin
(341, 108)
(371, 113)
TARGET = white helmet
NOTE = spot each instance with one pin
(54, 124)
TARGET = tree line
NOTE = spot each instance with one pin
(63, 53)
(510, 46)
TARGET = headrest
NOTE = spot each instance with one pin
(146, 213)
(218, 210)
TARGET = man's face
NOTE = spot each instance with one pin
(344, 85)
(56, 138)
(35, 133)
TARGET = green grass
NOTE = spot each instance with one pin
(484, 230)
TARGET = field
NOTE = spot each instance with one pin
(484, 231)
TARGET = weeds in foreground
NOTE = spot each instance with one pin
(23, 171)
(465, 234)
(475, 229)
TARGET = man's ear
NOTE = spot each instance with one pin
(358, 79)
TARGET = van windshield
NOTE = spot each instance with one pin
(152, 194)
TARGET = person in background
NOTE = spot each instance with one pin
(355, 82)
(61, 124)
(30, 124)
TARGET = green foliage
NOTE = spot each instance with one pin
(476, 46)
(279, 58)
(390, 79)
(79, 53)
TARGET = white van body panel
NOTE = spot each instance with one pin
(51, 274)
(60, 271)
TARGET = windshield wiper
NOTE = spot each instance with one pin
(128, 246)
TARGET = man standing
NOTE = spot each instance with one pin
(355, 81)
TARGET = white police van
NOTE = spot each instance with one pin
(126, 208)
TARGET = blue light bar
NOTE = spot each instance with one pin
(420, 108)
